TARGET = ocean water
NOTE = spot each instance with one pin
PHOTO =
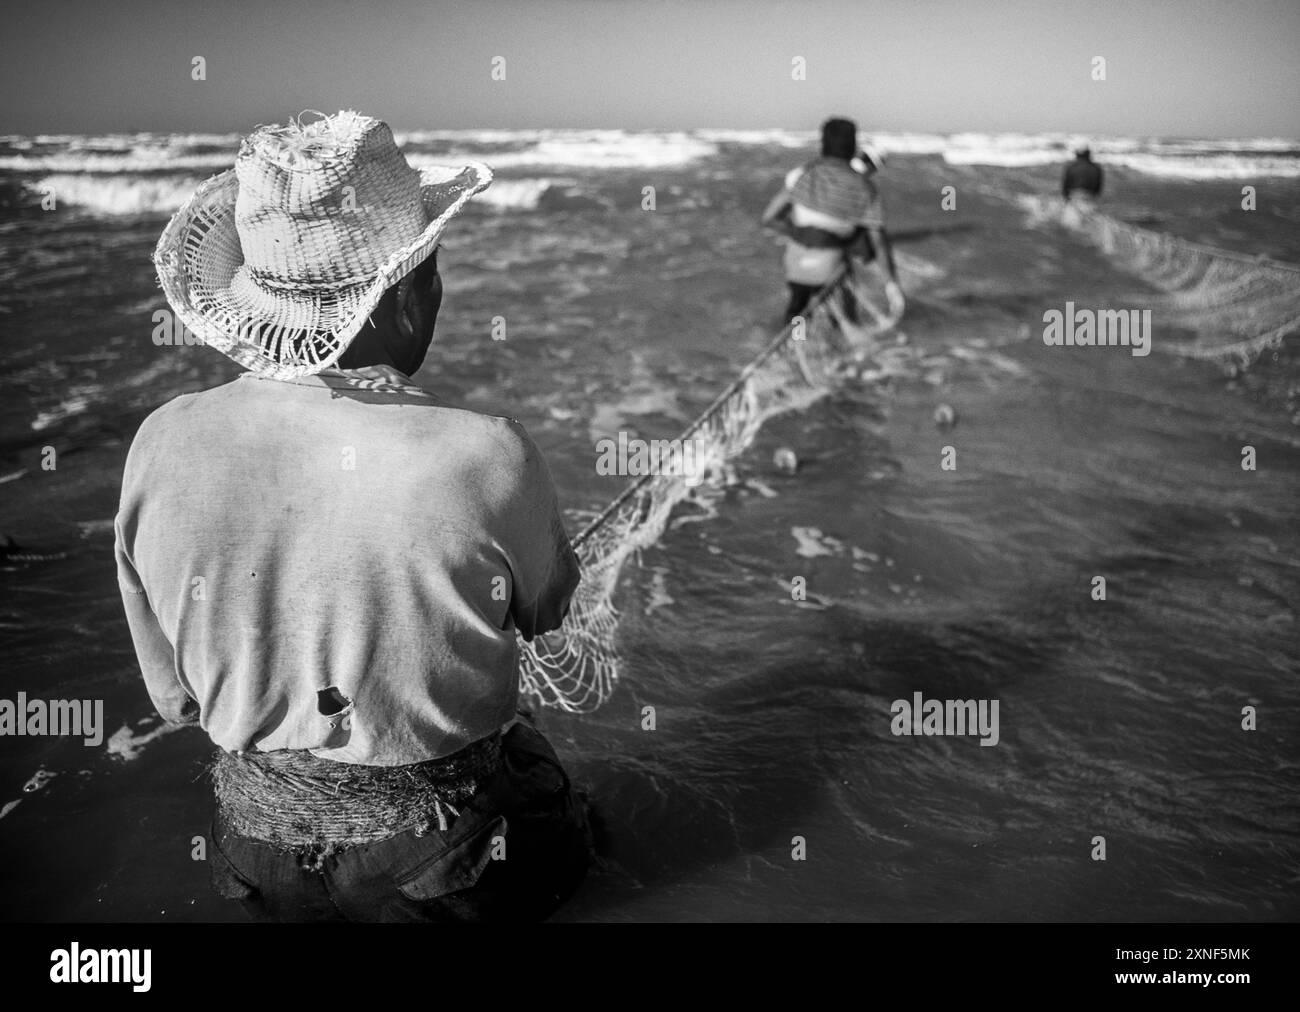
(1120, 719)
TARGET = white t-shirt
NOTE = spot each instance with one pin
(346, 535)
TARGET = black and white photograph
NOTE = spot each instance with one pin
(591, 462)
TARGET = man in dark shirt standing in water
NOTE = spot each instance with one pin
(1082, 176)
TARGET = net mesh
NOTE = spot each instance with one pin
(576, 667)
(1232, 306)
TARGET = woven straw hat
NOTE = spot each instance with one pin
(278, 261)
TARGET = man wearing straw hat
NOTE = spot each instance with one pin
(325, 567)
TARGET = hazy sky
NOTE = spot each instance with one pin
(1173, 67)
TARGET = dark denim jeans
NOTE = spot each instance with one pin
(517, 851)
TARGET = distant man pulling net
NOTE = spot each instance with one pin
(1080, 184)
(1083, 177)
(827, 211)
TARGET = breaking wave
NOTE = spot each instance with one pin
(117, 194)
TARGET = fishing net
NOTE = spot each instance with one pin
(1234, 306)
(576, 667)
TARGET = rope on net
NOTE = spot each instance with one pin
(576, 667)
(1234, 305)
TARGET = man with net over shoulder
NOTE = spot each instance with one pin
(325, 566)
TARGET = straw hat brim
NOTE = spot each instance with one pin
(199, 255)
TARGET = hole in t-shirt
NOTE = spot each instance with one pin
(330, 701)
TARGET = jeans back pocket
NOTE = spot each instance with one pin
(458, 865)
